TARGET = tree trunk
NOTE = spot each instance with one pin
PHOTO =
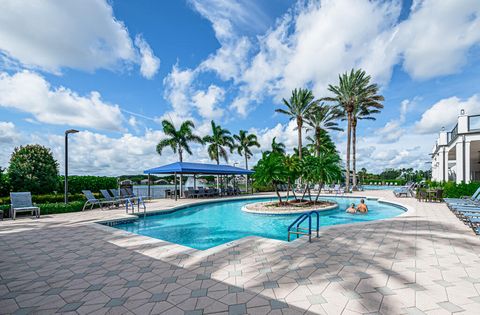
(218, 162)
(309, 193)
(354, 159)
(299, 127)
(278, 194)
(246, 167)
(288, 189)
(319, 190)
(304, 192)
(181, 177)
(349, 135)
(317, 140)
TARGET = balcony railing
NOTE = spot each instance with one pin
(453, 134)
(474, 123)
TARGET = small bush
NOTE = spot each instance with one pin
(454, 190)
(51, 208)
(50, 198)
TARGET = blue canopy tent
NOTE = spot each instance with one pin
(188, 168)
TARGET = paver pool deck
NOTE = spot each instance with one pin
(423, 262)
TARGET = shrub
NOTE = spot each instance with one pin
(454, 190)
(51, 208)
(50, 198)
(33, 168)
(94, 183)
(4, 183)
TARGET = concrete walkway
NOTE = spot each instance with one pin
(424, 262)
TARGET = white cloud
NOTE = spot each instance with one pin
(8, 132)
(445, 112)
(206, 102)
(29, 92)
(149, 63)
(84, 35)
(437, 36)
(178, 88)
(394, 129)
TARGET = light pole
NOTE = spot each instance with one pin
(67, 132)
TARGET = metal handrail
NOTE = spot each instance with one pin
(299, 220)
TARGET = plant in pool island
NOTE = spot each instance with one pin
(353, 94)
(277, 147)
(320, 119)
(33, 168)
(270, 170)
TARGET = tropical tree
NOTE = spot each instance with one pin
(321, 142)
(320, 119)
(298, 107)
(245, 142)
(219, 141)
(363, 111)
(277, 147)
(270, 170)
(178, 140)
(354, 89)
(292, 166)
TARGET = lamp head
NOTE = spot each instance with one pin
(71, 131)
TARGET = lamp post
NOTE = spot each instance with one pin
(67, 132)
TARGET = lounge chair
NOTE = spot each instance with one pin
(22, 202)
(106, 195)
(92, 200)
(132, 198)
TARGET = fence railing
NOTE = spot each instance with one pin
(453, 134)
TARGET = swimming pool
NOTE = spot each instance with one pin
(208, 225)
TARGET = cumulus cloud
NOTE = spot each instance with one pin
(445, 112)
(8, 132)
(149, 63)
(177, 89)
(29, 92)
(394, 129)
(84, 35)
(207, 101)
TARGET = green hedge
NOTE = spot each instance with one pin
(50, 198)
(94, 183)
(454, 190)
(51, 208)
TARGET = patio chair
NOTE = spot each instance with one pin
(403, 191)
(22, 202)
(106, 195)
(92, 200)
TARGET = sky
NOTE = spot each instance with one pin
(115, 69)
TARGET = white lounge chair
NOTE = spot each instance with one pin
(22, 202)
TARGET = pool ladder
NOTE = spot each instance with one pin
(297, 230)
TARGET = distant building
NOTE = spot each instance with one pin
(456, 154)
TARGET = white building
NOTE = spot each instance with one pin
(456, 154)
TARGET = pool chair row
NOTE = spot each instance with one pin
(467, 209)
(113, 198)
(202, 192)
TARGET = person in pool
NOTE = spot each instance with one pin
(352, 209)
(362, 207)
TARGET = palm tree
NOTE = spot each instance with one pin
(354, 88)
(298, 106)
(178, 140)
(219, 140)
(270, 170)
(320, 119)
(277, 147)
(362, 111)
(245, 142)
(321, 143)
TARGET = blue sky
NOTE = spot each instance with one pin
(115, 69)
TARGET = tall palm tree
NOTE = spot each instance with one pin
(354, 88)
(245, 142)
(298, 106)
(320, 119)
(362, 111)
(178, 140)
(219, 140)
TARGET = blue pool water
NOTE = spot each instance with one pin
(379, 187)
(209, 225)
